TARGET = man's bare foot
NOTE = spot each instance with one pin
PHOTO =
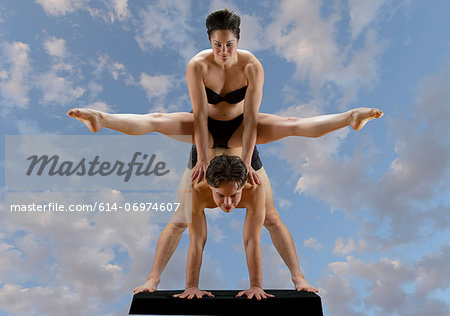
(359, 117)
(149, 286)
(92, 118)
(302, 285)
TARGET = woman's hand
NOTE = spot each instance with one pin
(255, 292)
(252, 177)
(192, 292)
(199, 171)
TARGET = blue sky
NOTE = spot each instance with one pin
(368, 210)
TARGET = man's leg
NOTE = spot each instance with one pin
(167, 243)
(170, 236)
(282, 239)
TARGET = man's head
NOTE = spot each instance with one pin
(226, 176)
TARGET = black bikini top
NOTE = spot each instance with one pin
(233, 97)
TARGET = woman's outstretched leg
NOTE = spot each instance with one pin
(273, 127)
(180, 123)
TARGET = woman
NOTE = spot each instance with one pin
(225, 85)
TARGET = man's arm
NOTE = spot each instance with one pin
(254, 220)
(197, 237)
(253, 96)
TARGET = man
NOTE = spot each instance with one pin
(171, 235)
(226, 178)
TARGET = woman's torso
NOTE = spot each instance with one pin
(223, 81)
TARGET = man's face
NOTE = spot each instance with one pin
(227, 196)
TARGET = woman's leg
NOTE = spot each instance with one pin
(180, 123)
(281, 238)
(273, 127)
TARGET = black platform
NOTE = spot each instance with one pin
(224, 302)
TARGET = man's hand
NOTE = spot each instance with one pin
(252, 177)
(192, 292)
(255, 292)
(199, 171)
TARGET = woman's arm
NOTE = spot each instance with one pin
(199, 101)
(255, 76)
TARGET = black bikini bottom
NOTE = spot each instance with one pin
(221, 132)
(256, 161)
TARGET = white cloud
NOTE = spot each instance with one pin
(312, 243)
(433, 272)
(156, 86)
(167, 24)
(56, 47)
(216, 233)
(302, 35)
(115, 69)
(112, 10)
(3, 13)
(116, 10)
(61, 7)
(41, 300)
(362, 14)
(362, 70)
(341, 248)
(28, 127)
(58, 89)
(252, 33)
(15, 70)
(420, 172)
(121, 9)
(100, 106)
(221, 4)
(284, 204)
(393, 287)
(58, 85)
(398, 199)
(214, 214)
(276, 274)
(76, 259)
(211, 275)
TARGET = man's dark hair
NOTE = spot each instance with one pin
(223, 20)
(225, 169)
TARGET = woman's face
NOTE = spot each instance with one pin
(224, 45)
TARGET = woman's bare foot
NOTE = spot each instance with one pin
(359, 117)
(302, 285)
(149, 286)
(92, 118)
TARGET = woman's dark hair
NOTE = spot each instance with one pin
(225, 169)
(224, 20)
